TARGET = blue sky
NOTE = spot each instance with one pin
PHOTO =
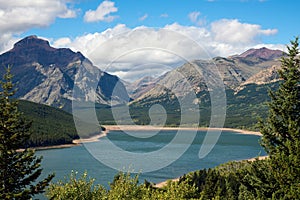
(274, 14)
(222, 27)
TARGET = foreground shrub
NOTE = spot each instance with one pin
(76, 189)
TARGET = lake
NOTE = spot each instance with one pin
(230, 146)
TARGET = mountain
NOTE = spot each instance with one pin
(263, 53)
(246, 78)
(48, 75)
(140, 86)
(233, 71)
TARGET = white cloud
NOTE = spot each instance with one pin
(130, 52)
(194, 17)
(18, 16)
(237, 33)
(62, 42)
(142, 18)
(69, 14)
(7, 40)
(102, 13)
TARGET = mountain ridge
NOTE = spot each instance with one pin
(263, 53)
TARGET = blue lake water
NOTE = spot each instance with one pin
(230, 146)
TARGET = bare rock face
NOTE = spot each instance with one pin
(266, 76)
(48, 75)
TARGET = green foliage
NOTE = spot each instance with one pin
(19, 170)
(278, 177)
(124, 186)
(222, 182)
(76, 189)
(50, 126)
(282, 127)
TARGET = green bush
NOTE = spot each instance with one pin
(82, 188)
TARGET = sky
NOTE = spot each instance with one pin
(134, 38)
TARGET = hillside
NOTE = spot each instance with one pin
(50, 126)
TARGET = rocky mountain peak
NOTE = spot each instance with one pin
(263, 53)
(33, 49)
(32, 42)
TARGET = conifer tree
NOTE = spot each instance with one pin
(281, 129)
(19, 169)
(279, 176)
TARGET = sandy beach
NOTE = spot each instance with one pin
(90, 139)
(141, 128)
(60, 146)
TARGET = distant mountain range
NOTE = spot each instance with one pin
(247, 79)
(48, 75)
(255, 66)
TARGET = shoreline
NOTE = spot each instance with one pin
(94, 138)
(108, 128)
(76, 142)
(149, 128)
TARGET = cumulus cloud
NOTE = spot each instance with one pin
(142, 18)
(132, 53)
(62, 42)
(102, 13)
(235, 32)
(18, 16)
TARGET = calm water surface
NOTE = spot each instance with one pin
(230, 146)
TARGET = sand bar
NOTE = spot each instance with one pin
(145, 128)
(94, 138)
